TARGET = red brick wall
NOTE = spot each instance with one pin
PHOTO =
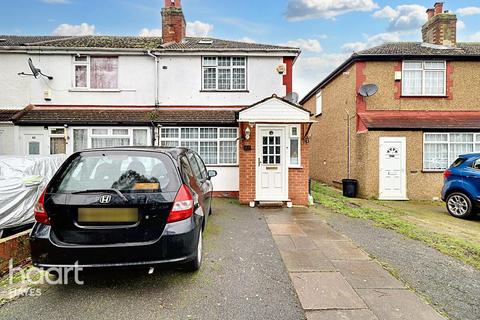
(16, 247)
(247, 166)
(298, 177)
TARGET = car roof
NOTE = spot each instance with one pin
(469, 155)
(174, 152)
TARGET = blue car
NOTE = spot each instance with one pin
(461, 188)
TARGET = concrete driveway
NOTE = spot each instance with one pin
(242, 277)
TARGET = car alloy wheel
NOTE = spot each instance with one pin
(459, 205)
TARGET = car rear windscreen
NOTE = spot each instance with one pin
(458, 162)
(126, 171)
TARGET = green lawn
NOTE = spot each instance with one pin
(424, 221)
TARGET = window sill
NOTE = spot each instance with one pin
(220, 91)
(295, 167)
(428, 97)
(98, 90)
(221, 165)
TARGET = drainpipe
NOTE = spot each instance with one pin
(149, 52)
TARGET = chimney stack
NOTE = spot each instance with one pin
(441, 27)
(173, 22)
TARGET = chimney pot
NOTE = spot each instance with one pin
(438, 7)
(430, 13)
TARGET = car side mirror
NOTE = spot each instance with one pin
(211, 174)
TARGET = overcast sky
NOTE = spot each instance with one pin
(327, 31)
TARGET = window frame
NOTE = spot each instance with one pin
(475, 147)
(424, 70)
(87, 63)
(57, 135)
(109, 134)
(178, 139)
(291, 136)
(217, 67)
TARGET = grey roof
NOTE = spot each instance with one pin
(131, 42)
(7, 114)
(422, 49)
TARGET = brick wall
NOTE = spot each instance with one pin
(298, 177)
(247, 166)
(16, 247)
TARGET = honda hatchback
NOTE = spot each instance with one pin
(124, 207)
(461, 188)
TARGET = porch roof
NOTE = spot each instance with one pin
(275, 110)
(421, 120)
(77, 115)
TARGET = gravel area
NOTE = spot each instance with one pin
(242, 277)
(449, 285)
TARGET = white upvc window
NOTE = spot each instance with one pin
(58, 140)
(216, 146)
(295, 146)
(441, 149)
(104, 137)
(95, 72)
(318, 104)
(224, 73)
(424, 78)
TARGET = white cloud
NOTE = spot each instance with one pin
(309, 71)
(461, 25)
(311, 45)
(66, 29)
(327, 9)
(194, 29)
(404, 17)
(474, 37)
(198, 29)
(468, 11)
(371, 41)
(56, 1)
(150, 32)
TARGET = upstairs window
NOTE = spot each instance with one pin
(424, 78)
(224, 73)
(95, 72)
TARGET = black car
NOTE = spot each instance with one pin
(124, 207)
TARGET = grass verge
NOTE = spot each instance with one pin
(466, 251)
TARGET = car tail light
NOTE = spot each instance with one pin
(182, 206)
(39, 210)
(447, 174)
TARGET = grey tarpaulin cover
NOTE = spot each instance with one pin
(22, 180)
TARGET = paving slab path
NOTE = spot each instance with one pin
(334, 278)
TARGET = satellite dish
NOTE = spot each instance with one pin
(292, 97)
(35, 71)
(368, 90)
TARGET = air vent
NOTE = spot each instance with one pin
(205, 41)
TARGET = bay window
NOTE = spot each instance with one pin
(216, 146)
(441, 149)
(95, 72)
(424, 78)
(224, 73)
(84, 138)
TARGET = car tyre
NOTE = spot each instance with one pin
(459, 205)
(195, 264)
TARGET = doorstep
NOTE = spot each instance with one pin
(333, 278)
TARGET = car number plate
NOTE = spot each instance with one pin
(106, 215)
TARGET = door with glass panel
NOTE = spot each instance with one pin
(271, 165)
(392, 171)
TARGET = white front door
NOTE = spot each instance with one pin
(32, 144)
(393, 180)
(272, 171)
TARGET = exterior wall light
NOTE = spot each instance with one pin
(247, 133)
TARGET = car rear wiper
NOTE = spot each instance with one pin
(121, 195)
